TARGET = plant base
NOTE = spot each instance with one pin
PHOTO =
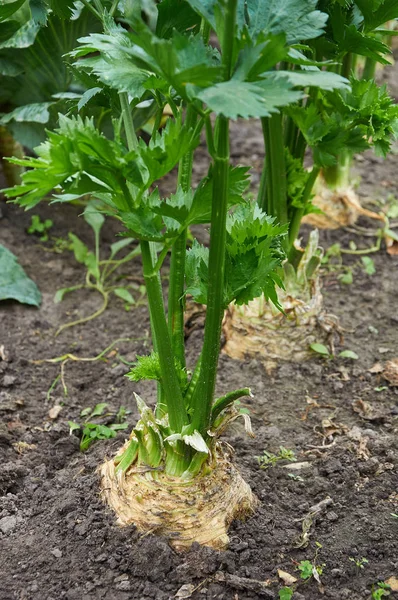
(340, 208)
(196, 510)
(261, 331)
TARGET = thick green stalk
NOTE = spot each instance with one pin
(369, 69)
(203, 395)
(176, 304)
(204, 392)
(338, 175)
(298, 213)
(276, 167)
(160, 336)
(173, 397)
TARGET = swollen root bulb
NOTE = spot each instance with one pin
(259, 330)
(184, 511)
(340, 207)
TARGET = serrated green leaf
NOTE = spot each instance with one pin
(196, 272)
(297, 19)
(325, 80)
(148, 367)
(14, 283)
(377, 13)
(143, 224)
(86, 97)
(62, 8)
(244, 99)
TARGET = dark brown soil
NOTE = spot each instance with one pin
(58, 540)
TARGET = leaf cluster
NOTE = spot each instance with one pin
(253, 257)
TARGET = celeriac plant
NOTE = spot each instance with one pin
(172, 474)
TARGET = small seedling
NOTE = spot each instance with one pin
(309, 568)
(40, 228)
(394, 516)
(285, 593)
(322, 350)
(333, 261)
(295, 477)
(359, 562)
(91, 432)
(268, 459)
(100, 274)
(382, 590)
(381, 388)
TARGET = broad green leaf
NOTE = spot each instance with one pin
(235, 99)
(9, 68)
(349, 354)
(23, 37)
(368, 265)
(320, 349)
(73, 427)
(8, 9)
(94, 217)
(178, 15)
(59, 294)
(124, 294)
(80, 249)
(37, 113)
(117, 246)
(99, 409)
(14, 283)
(39, 10)
(285, 593)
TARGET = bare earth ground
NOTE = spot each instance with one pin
(57, 539)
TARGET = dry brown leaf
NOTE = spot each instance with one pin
(286, 577)
(393, 583)
(54, 411)
(22, 447)
(362, 450)
(367, 411)
(391, 371)
(377, 368)
(185, 591)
